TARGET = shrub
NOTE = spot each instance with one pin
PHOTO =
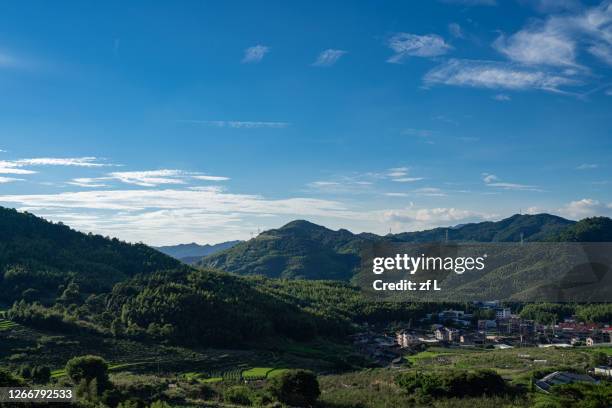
(296, 387)
(453, 384)
(88, 368)
(238, 394)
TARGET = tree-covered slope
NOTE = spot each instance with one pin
(533, 227)
(305, 250)
(44, 256)
(595, 229)
(299, 250)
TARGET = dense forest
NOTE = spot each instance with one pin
(39, 258)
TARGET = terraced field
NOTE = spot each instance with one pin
(7, 324)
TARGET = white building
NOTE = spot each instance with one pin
(502, 313)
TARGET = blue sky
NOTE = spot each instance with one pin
(169, 122)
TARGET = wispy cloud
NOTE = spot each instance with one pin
(495, 75)
(425, 133)
(587, 166)
(328, 57)
(400, 175)
(210, 178)
(88, 182)
(412, 45)
(19, 166)
(255, 54)
(456, 30)
(557, 40)
(68, 161)
(240, 124)
(430, 192)
(407, 179)
(502, 97)
(4, 180)
(491, 180)
(150, 178)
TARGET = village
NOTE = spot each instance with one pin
(459, 330)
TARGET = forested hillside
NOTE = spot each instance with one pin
(299, 250)
(304, 250)
(40, 258)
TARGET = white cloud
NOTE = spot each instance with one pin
(489, 178)
(411, 218)
(240, 124)
(324, 183)
(456, 30)
(430, 192)
(210, 178)
(87, 182)
(255, 54)
(549, 45)
(586, 207)
(502, 97)
(587, 166)
(495, 75)
(149, 178)
(407, 179)
(17, 166)
(9, 168)
(9, 180)
(609, 92)
(513, 186)
(412, 45)
(557, 40)
(67, 161)
(328, 58)
(397, 194)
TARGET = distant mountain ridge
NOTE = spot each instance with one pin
(190, 253)
(304, 250)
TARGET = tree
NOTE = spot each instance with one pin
(41, 374)
(72, 294)
(8, 380)
(88, 368)
(296, 387)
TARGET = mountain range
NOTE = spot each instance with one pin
(191, 253)
(303, 250)
(61, 279)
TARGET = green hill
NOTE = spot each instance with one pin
(303, 250)
(43, 256)
(595, 229)
(299, 250)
